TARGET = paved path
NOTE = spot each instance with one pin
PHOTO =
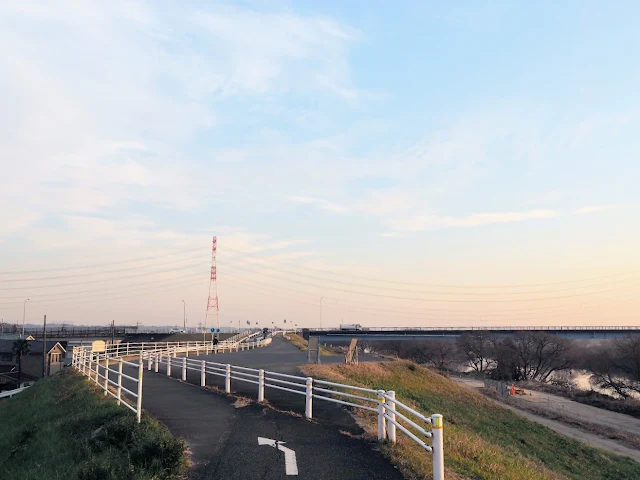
(223, 437)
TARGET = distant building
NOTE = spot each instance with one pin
(14, 336)
(32, 363)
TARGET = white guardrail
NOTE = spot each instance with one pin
(11, 393)
(392, 414)
(100, 366)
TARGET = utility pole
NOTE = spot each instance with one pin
(44, 348)
(184, 316)
(24, 311)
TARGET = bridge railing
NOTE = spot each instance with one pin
(582, 328)
(391, 413)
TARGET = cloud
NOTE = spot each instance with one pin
(320, 204)
(433, 222)
(105, 100)
(594, 209)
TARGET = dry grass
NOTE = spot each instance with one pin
(482, 439)
(302, 344)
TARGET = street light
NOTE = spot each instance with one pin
(24, 311)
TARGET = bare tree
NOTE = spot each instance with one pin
(628, 357)
(442, 354)
(540, 354)
(505, 356)
(615, 366)
(476, 350)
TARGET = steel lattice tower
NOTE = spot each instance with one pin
(212, 302)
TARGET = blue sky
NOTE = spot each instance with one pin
(466, 144)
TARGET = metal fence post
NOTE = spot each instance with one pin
(308, 409)
(169, 366)
(158, 359)
(139, 404)
(438, 447)
(227, 380)
(203, 374)
(184, 369)
(106, 375)
(119, 381)
(149, 361)
(382, 422)
(391, 410)
(261, 385)
(127, 349)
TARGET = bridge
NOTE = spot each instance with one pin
(434, 333)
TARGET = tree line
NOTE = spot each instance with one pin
(614, 365)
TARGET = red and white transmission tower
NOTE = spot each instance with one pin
(212, 302)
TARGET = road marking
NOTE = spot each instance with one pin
(290, 463)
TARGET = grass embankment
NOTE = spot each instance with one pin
(482, 439)
(63, 427)
(302, 344)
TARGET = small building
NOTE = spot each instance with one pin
(33, 363)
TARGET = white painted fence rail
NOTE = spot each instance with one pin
(91, 364)
(99, 366)
(11, 393)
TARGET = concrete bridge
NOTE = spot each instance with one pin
(435, 333)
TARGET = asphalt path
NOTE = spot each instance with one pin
(222, 431)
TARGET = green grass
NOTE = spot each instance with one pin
(482, 440)
(64, 428)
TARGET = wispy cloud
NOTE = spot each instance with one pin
(320, 204)
(594, 209)
(432, 222)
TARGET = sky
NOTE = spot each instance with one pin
(382, 163)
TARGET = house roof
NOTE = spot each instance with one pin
(35, 346)
(14, 336)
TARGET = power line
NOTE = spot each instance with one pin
(387, 288)
(342, 274)
(139, 259)
(397, 297)
(502, 312)
(61, 295)
(105, 272)
(104, 280)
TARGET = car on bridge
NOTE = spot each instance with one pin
(351, 326)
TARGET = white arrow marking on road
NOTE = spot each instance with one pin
(290, 463)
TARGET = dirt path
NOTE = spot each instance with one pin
(577, 411)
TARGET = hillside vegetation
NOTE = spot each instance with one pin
(64, 428)
(303, 344)
(482, 440)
